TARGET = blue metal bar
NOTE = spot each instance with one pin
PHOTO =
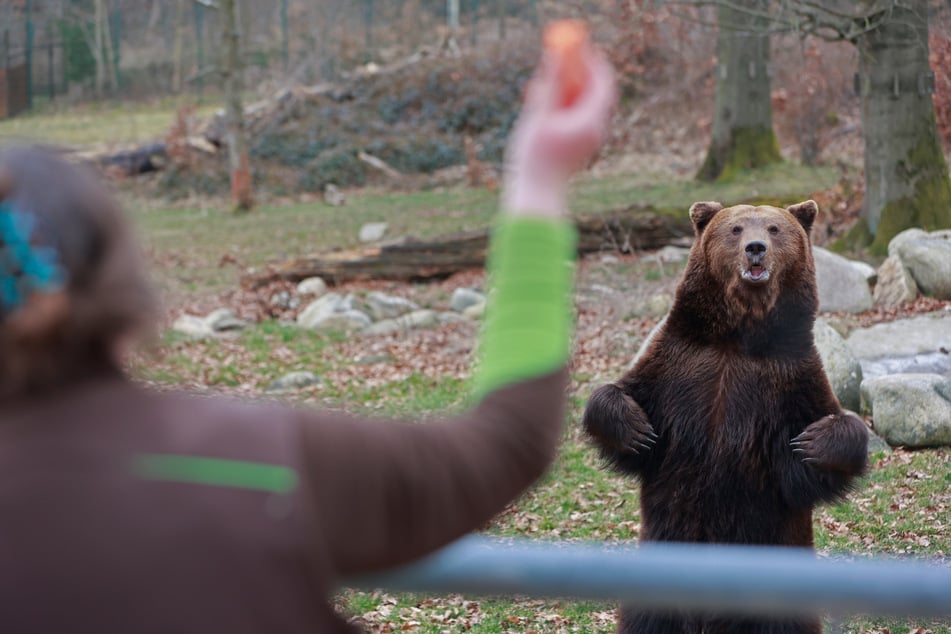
(750, 580)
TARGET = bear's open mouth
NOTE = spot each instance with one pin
(756, 274)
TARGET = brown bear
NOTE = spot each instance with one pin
(728, 419)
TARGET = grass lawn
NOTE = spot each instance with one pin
(96, 124)
(903, 507)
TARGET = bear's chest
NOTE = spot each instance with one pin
(724, 407)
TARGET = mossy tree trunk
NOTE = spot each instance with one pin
(231, 71)
(906, 176)
(743, 136)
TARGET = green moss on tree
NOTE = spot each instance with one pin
(929, 208)
(855, 239)
(749, 148)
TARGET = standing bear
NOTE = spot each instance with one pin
(728, 419)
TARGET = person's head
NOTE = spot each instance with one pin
(72, 284)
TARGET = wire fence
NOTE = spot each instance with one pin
(81, 50)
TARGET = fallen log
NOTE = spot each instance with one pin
(143, 159)
(411, 259)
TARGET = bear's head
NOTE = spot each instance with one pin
(746, 258)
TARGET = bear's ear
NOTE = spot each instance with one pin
(702, 213)
(805, 213)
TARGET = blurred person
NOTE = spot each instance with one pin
(126, 510)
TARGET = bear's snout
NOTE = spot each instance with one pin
(755, 251)
(756, 271)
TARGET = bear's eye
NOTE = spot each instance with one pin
(737, 230)
(773, 230)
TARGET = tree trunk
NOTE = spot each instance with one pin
(906, 176)
(109, 62)
(179, 46)
(99, 53)
(231, 70)
(743, 135)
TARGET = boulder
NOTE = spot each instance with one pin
(449, 317)
(333, 196)
(294, 381)
(476, 311)
(910, 410)
(867, 270)
(345, 321)
(223, 320)
(373, 231)
(312, 286)
(192, 326)
(840, 364)
(382, 306)
(905, 346)
(462, 298)
(415, 319)
(217, 322)
(928, 259)
(895, 284)
(842, 287)
(319, 309)
(907, 235)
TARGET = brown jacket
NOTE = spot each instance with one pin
(93, 541)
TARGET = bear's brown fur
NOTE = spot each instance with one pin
(728, 419)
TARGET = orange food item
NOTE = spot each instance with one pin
(566, 39)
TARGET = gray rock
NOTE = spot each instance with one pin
(415, 319)
(929, 261)
(911, 410)
(449, 317)
(333, 196)
(841, 286)
(672, 254)
(867, 270)
(345, 321)
(373, 231)
(312, 286)
(319, 309)
(907, 235)
(217, 322)
(841, 367)
(463, 298)
(294, 381)
(223, 320)
(192, 326)
(907, 346)
(476, 311)
(895, 284)
(607, 258)
(383, 306)
(877, 444)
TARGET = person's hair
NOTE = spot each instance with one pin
(58, 335)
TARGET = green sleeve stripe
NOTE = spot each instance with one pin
(216, 472)
(529, 317)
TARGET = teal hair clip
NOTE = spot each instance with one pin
(25, 268)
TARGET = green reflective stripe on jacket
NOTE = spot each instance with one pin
(238, 474)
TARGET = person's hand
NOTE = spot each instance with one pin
(550, 141)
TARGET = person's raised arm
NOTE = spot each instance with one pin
(388, 492)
